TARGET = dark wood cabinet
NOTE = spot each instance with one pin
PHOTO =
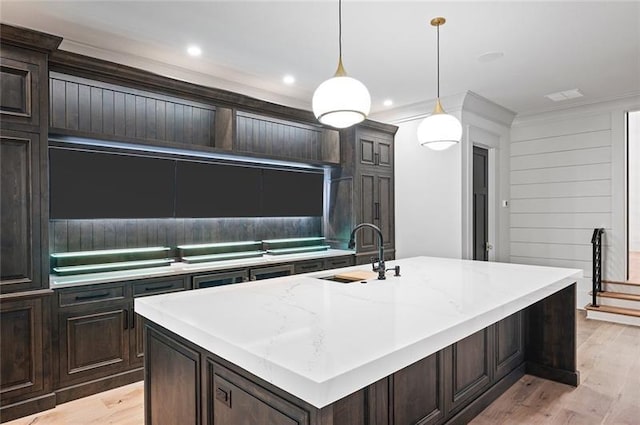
(172, 382)
(418, 392)
(375, 149)
(362, 191)
(471, 368)
(220, 278)
(93, 334)
(21, 220)
(273, 137)
(236, 400)
(271, 272)
(509, 345)
(89, 108)
(25, 368)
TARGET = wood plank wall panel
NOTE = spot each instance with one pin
(82, 235)
(561, 189)
(107, 110)
(273, 137)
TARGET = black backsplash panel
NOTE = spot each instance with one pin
(87, 235)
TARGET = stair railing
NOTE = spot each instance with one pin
(596, 274)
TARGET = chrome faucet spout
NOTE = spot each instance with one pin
(380, 268)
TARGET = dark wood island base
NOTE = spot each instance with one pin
(185, 384)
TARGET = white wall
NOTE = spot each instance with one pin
(568, 177)
(634, 181)
(427, 197)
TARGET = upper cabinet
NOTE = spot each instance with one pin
(375, 149)
(90, 108)
(23, 140)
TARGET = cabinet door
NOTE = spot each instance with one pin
(20, 80)
(509, 345)
(20, 252)
(376, 201)
(94, 341)
(375, 150)
(136, 322)
(237, 400)
(384, 213)
(471, 369)
(418, 392)
(21, 352)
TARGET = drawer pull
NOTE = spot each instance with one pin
(158, 288)
(92, 297)
(339, 263)
(309, 266)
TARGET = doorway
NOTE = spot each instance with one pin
(633, 196)
(480, 203)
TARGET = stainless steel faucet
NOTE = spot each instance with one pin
(352, 243)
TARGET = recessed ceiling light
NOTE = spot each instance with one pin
(387, 102)
(194, 50)
(490, 57)
(564, 95)
(288, 79)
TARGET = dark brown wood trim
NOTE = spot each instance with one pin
(98, 385)
(31, 39)
(27, 407)
(27, 294)
(553, 374)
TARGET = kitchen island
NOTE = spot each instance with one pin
(436, 344)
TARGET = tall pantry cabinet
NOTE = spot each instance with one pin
(25, 297)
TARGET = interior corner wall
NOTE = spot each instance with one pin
(427, 197)
(567, 178)
(634, 181)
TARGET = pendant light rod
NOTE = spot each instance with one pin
(340, 72)
(436, 22)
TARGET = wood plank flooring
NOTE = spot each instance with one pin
(609, 364)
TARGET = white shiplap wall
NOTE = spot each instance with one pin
(561, 189)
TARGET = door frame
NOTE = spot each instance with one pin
(490, 141)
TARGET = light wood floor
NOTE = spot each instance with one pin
(609, 364)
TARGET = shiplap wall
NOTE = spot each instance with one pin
(561, 189)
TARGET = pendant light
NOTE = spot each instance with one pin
(341, 101)
(439, 130)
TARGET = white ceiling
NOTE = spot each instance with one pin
(249, 45)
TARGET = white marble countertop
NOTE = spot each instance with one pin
(321, 340)
(179, 268)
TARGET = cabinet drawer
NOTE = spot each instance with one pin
(219, 279)
(309, 266)
(90, 294)
(151, 287)
(338, 262)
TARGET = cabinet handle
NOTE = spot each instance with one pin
(376, 159)
(158, 288)
(126, 318)
(338, 263)
(133, 320)
(309, 266)
(376, 214)
(92, 297)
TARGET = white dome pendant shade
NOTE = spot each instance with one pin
(341, 101)
(439, 130)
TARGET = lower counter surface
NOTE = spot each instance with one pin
(321, 341)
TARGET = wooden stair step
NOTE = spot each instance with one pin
(617, 295)
(616, 310)
(622, 283)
